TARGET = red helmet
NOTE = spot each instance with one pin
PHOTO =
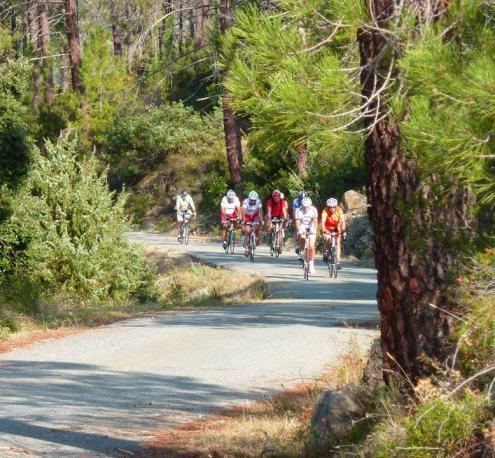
(276, 194)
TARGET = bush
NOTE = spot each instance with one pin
(67, 233)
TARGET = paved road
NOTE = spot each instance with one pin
(105, 390)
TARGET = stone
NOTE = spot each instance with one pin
(373, 371)
(336, 411)
(355, 203)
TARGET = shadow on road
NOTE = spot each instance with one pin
(86, 397)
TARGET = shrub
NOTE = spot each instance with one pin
(69, 230)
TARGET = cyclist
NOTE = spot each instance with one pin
(332, 222)
(296, 204)
(276, 207)
(307, 218)
(185, 209)
(251, 210)
(230, 208)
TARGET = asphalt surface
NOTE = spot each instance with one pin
(104, 391)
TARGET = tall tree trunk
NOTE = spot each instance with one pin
(44, 46)
(200, 37)
(411, 262)
(302, 160)
(74, 44)
(116, 29)
(33, 38)
(230, 121)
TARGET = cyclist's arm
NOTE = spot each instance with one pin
(243, 212)
(285, 214)
(191, 205)
(268, 210)
(177, 204)
(323, 219)
(260, 213)
(222, 212)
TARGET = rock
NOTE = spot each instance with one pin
(373, 371)
(355, 203)
(336, 411)
(359, 241)
(148, 224)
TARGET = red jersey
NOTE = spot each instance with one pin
(276, 207)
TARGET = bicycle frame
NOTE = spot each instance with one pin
(275, 237)
(332, 256)
(305, 255)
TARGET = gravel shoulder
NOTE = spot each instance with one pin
(105, 391)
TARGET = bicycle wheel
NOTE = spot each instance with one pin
(334, 261)
(186, 234)
(276, 244)
(252, 245)
(232, 241)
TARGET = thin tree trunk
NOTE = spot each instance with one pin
(74, 45)
(200, 37)
(230, 121)
(116, 29)
(44, 46)
(232, 143)
(411, 261)
(31, 22)
(65, 74)
(302, 160)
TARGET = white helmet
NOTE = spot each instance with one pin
(307, 202)
(230, 194)
(332, 202)
(253, 195)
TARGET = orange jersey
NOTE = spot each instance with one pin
(333, 221)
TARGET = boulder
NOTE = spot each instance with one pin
(359, 241)
(336, 411)
(355, 203)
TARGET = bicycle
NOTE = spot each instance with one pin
(231, 236)
(332, 256)
(252, 239)
(185, 228)
(305, 260)
(276, 237)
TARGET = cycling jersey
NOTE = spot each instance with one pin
(230, 208)
(308, 218)
(333, 221)
(251, 212)
(277, 207)
(184, 203)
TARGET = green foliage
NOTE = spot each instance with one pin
(15, 145)
(451, 110)
(68, 232)
(166, 147)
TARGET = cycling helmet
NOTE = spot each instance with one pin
(276, 194)
(332, 202)
(307, 202)
(183, 192)
(253, 195)
(230, 194)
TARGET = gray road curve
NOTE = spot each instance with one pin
(105, 390)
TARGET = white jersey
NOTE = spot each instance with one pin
(230, 207)
(308, 218)
(251, 210)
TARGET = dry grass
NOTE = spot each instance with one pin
(181, 283)
(276, 427)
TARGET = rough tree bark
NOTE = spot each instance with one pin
(116, 29)
(230, 121)
(44, 46)
(410, 258)
(302, 160)
(200, 37)
(33, 37)
(74, 44)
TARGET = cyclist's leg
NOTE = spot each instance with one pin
(311, 252)
(257, 230)
(180, 220)
(225, 226)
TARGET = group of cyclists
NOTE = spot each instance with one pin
(248, 215)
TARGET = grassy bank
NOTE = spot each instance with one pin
(180, 283)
